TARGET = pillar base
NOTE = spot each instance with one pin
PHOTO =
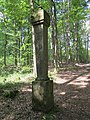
(42, 95)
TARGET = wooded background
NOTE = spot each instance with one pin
(68, 35)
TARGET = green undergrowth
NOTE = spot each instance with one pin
(12, 76)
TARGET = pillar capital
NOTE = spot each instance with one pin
(41, 17)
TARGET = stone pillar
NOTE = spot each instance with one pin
(42, 87)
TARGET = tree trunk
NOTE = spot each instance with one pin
(74, 34)
(57, 62)
(34, 55)
(68, 31)
(16, 45)
(16, 53)
(5, 50)
(77, 43)
(87, 48)
(64, 32)
(55, 49)
(19, 45)
(28, 48)
(52, 38)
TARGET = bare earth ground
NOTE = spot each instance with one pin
(71, 96)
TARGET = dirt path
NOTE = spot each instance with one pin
(71, 94)
(72, 91)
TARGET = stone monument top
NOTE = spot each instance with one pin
(40, 17)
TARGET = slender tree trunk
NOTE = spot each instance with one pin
(16, 46)
(68, 31)
(19, 46)
(64, 32)
(28, 47)
(34, 55)
(74, 43)
(60, 53)
(87, 48)
(16, 61)
(55, 49)
(77, 43)
(5, 50)
(52, 37)
(57, 62)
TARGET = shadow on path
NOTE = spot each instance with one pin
(72, 97)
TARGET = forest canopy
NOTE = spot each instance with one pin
(68, 35)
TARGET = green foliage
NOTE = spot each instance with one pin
(75, 17)
(25, 69)
(16, 30)
(14, 24)
(12, 78)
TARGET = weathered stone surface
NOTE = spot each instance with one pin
(42, 87)
(41, 44)
(40, 17)
(42, 95)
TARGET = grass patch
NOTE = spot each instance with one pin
(12, 76)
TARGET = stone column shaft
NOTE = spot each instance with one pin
(42, 87)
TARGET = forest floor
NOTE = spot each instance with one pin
(71, 98)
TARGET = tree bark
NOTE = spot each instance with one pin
(87, 48)
(57, 62)
(52, 37)
(55, 49)
(16, 46)
(5, 51)
(68, 31)
(34, 54)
